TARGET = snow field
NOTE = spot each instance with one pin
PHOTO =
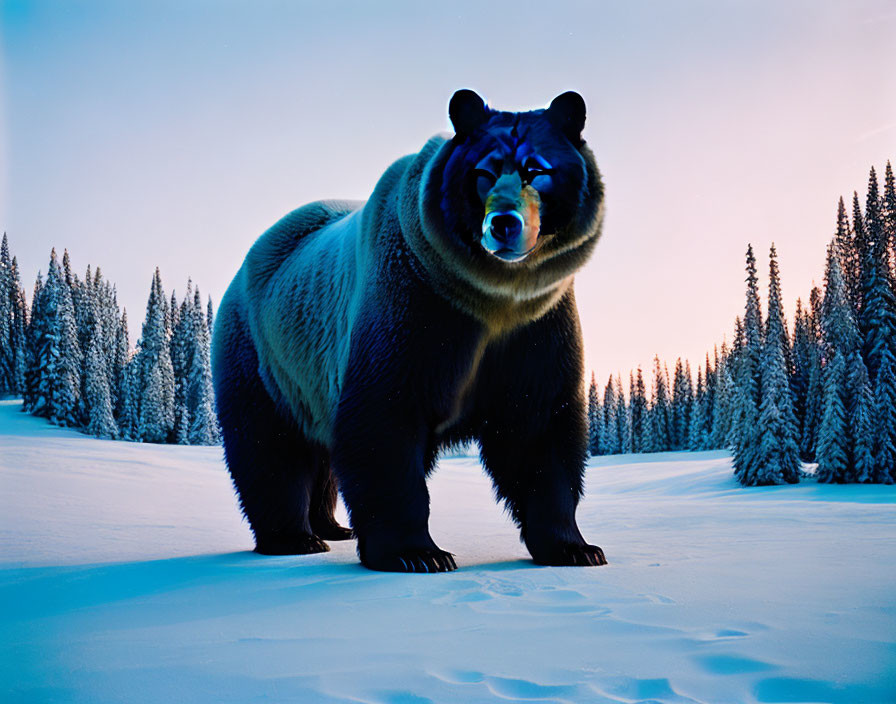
(125, 575)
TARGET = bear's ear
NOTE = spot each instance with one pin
(467, 111)
(567, 113)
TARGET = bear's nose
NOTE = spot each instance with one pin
(506, 227)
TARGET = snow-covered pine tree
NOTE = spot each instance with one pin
(174, 311)
(594, 417)
(861, 252)
(841, 341)
(210, 317)
(722, 434)
(623, 423)
(778, 461)
(833, 436)
(56, 380)
(100, 421)
(682, 393)
(806, 381)
(861, 420)
(659, 416)
(847, 249)
(885, 417)
(7, 351)
(182, 345)
(638, 411)
(889, 203)
(748, 382)
(608, 430)
(129, 401)
(878, 327)
(696, 428)
(204, 426)
(122, 355)
(19, 333)
(33, 333)
(86, 321)
(709, 398)
(156, 375)
(801, 352)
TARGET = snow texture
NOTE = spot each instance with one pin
(125, 575)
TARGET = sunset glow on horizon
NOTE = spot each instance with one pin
(173, 135)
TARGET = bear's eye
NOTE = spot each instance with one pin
(535, 166)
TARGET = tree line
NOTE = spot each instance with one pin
(69, 357)
(823, 391)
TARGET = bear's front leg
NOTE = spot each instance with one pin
(533, 434)
(380, 455)
(538, 474)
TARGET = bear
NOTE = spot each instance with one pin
(359, 339)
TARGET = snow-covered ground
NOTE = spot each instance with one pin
(126, 576)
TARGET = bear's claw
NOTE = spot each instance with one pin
(424, 560)
(570, 555)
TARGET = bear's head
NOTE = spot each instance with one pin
(521, 172)
(509, 208)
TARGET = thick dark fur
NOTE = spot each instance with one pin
(355, 368)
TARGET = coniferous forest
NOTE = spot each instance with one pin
(822, 391)
(69, 356)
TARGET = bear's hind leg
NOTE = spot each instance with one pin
(323, 503)
(272, 467)
(271, 463)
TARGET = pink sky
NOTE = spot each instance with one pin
(173, 134)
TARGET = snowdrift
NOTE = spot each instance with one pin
(126, 576)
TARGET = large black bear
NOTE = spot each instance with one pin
(358, 339)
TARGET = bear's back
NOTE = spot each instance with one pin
(280, 240)
(298, 285)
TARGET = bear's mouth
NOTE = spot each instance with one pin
(507, 236)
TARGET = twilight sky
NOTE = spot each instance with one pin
(173, 133)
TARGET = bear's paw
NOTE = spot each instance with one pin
(572, 555)
(413, 560)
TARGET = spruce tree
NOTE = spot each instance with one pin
(7, 351)
(33, 333)
(210, 317)
(204, 421)
(156, 375)
(19, 331)
(100, 421)
(681, 406)
(748, 394)
(861, 421)
(697, 422)
(56, 380)
(122, 355)
(778, 460)
(129, 400)
(722, 436)
(885, 416)
(878, 327)
(840, 342)
(850, 265)
(182, 347)
(593, 418)
(638, 412)
(833, 450)
(659, 416)
(623, 423)
(608, 430)
(889, 217)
